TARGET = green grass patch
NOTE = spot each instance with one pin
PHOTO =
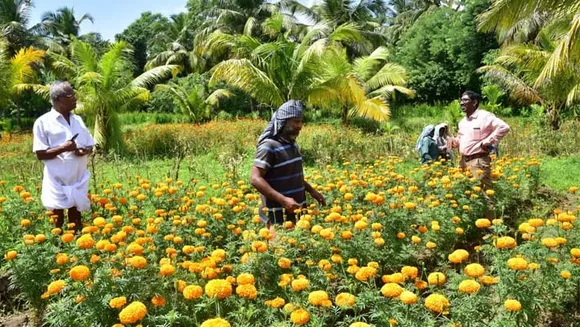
(561, 173)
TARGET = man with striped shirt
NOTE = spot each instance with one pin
(277, 172)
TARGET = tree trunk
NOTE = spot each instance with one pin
(344, 116)
(100, 132)
(552, 113)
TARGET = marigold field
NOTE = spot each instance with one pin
(391, 248)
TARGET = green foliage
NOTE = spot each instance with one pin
(442, 50)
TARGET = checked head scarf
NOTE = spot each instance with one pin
(290, 109)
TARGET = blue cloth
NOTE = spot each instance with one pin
(288, 110)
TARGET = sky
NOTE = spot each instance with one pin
(111, 16)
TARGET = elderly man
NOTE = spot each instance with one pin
(478, 131)
(62, 142)
(277, 172)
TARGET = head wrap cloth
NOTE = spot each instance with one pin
(290, 109)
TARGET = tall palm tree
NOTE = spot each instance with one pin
(319, 74)
(195, 102)
(14, 16)
(507, 16)
(105, 86)
(61, 26)
(518, 68)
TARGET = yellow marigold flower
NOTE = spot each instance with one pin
(359, 324)
(410, 272)
(319, 298)
(67, 238)
(536, 222)
(365, 273)
(517, 263)
(85, 242)
(325, 265)
(245, 278)
(437, 303)
(505, 242)
(345, 300)
(436, 278)
(482, 223)
(410, 205)
(430, 245)
(575, 252)
(56, 286)
(512, 305)
(138, 262)
(398, 278)
(489, 280)
(275, 303)
(247, 291)
(133, 313)
(166, 270)
(474, 270)
(192, 292)
(469, 286)
(391, 290)
(219, 288)
(118, 302)
(79, 273)
(415, 239)
(216, 322)
(284, 263)
(573, 189)
(421, 284)
(158, 301)
(408, 297)
(533, 266)
(10, 255)
(526, 228)
(549, 242)
(300, 317)
(565, 274)
(135, 249)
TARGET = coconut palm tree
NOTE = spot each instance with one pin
(319, 74)
(61, 26)
(518, 69)
(559, 36)
(14, 16)
(105, 85)
(195, 102)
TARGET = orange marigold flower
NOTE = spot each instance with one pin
(56, 286)
(300, 317)
(158, 301)
(118, 302)
(245, 278)
(79, 273)
(192, 292)
(408, 297)
(474, 270)
(247, 291)
(219, 288)
(138, 262)
(216, 322)
(319, 298)
(300, 284)
(469, 286)
(275, 303)
(166, 270)
(505, 242)
(85, 242)
(436, 278)
(437, 303)
(517, 263)
(133, 313)
(391, 290)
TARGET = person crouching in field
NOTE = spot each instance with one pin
(442, 138)
(277, 172)
(478, 131)
(62, 142)
(426, 145)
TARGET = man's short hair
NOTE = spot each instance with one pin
(57, 89)
(473, 95)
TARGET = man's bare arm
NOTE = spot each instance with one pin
(53, 152)
(259, 182)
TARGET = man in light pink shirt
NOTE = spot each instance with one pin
(478, 131)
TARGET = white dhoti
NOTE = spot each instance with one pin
(66, 183)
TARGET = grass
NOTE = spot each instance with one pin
(561, 173)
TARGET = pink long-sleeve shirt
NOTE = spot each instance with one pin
(480, 128)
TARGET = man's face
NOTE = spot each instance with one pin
(68, 101)
(292, 128)
(468, 105)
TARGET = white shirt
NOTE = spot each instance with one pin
(65, 182)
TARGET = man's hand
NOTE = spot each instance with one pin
(290, 204)
(69, 145)
(81, 152)
(485, 146)
(318, 197)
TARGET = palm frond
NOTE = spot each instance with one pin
(250, 26)
(390, 74)
(243, 74)
(519, 91)
(84, 55)
(373, 108)
(389, 92)
(41, 90)
(573, 96)
(155, 75)
(22, 63)
(365, 67)
(216, 96)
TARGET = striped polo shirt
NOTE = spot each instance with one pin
(283, 164)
